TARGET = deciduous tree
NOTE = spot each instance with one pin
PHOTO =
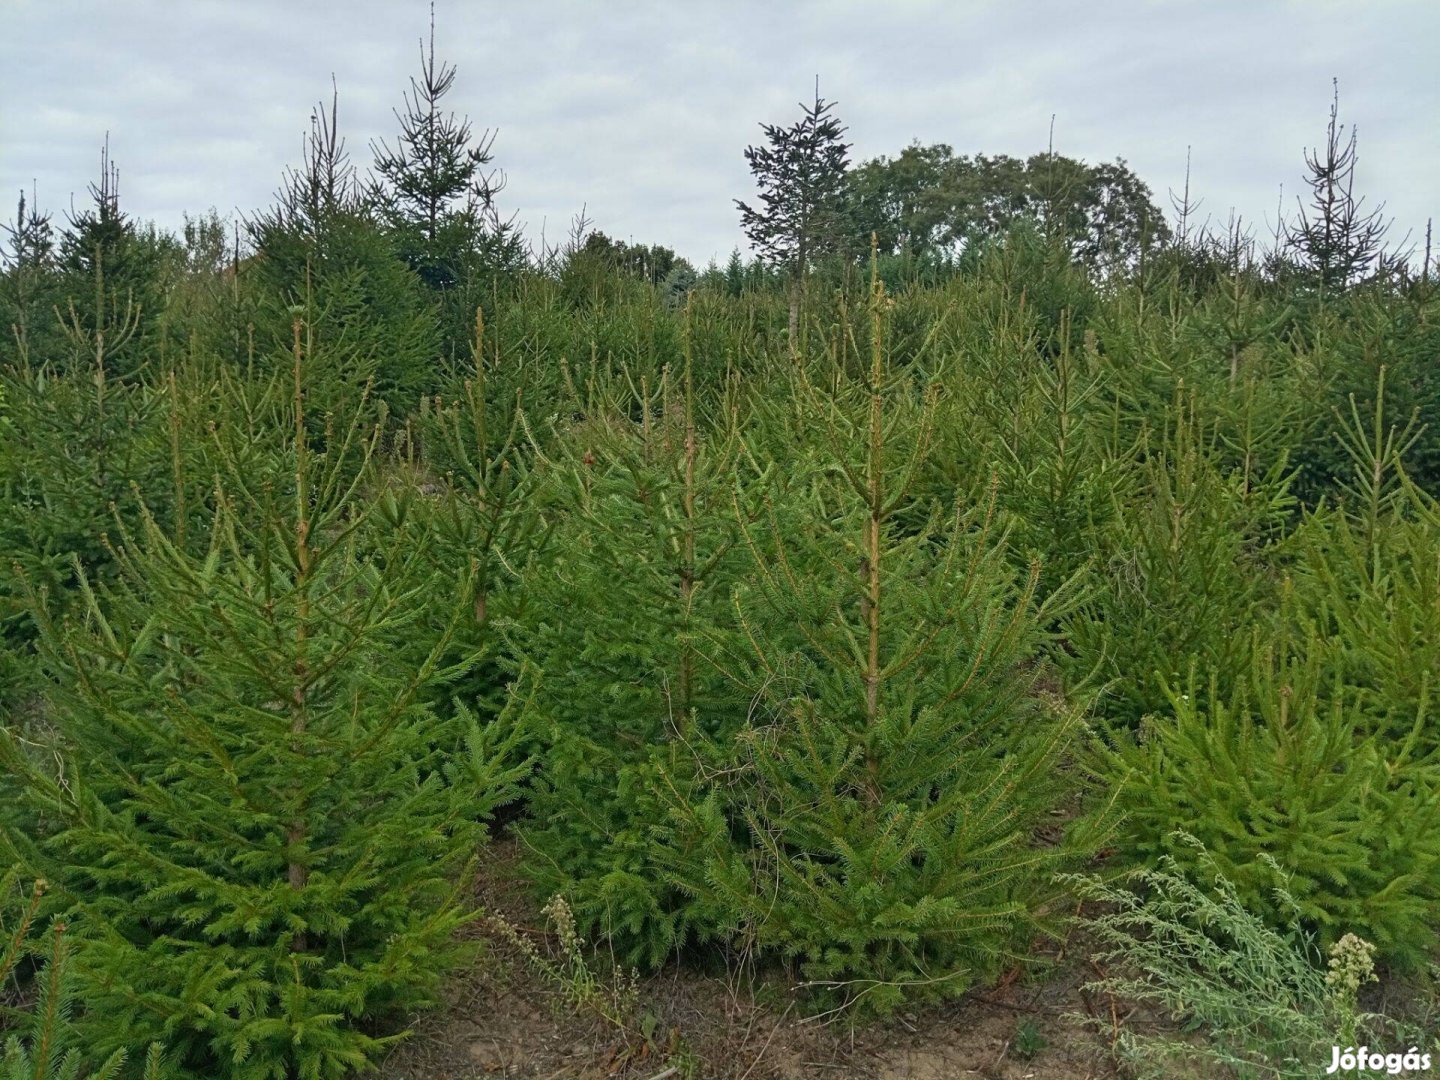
(928, 200)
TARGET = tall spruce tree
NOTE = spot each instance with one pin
(435, 193)
(321, 244)
(260, 821)
(801, 176)
(1336, 239)
(111, 273)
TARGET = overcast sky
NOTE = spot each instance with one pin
(641, 111)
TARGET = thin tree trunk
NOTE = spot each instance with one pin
(298, 873)
(796, 286)
(870, 564)
(687, 555)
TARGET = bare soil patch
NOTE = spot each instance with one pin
(503, 1019)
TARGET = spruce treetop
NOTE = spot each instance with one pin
(434, 180)
(1336, 238)
(801, 176)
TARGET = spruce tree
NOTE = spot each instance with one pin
(877, 818)
(40, 1042)
(111, 273)
(28, 286)
(435, 194)
(734, 274)
(476, 505)
(77, 449)
(801, 175)
(1366, 579)
(1282, 767)
(1057, 484)
(1179, 560)
(261, 824)
(322, 245)
(1336, 239)
(626, 611)
(1244, 321)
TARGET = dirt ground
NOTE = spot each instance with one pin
(503, 1018)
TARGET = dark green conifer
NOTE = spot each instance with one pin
(437, 197)
(29, 284)
(322, 245)
(801, 217)
(112, 281)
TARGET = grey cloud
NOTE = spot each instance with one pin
(641, 110)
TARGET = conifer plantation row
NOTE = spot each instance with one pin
(850, 615)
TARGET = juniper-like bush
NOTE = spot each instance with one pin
(1180, 937)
